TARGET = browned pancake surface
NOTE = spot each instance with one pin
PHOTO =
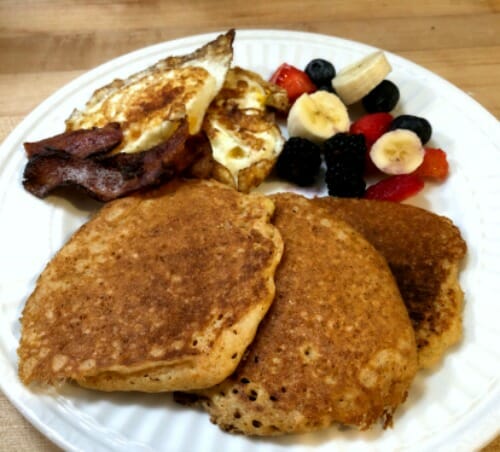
(424, 251)
(336, 345)
(158, 291)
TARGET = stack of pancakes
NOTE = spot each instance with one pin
(278, 314)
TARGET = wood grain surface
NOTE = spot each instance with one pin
(45, 44)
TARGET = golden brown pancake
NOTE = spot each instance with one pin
(159, 291)
(424, 251)
(336, 345)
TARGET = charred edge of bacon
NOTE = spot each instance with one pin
(79, 143)
(108, 178)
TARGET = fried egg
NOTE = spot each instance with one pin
(149, 104)
(243, 133)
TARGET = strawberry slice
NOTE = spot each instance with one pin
(293, 80)
(435, 165)
(372, 126)
(395, 188)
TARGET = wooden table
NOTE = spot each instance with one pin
(46, 43)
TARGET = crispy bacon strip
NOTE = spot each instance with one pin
(80, 143)
(109, 177)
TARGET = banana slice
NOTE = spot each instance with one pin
(399, 151)
(356, 80)
(317, 116)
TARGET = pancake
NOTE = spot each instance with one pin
(336, 346)
(157, 292)
(424, 252)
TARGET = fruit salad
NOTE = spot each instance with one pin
(390, 149)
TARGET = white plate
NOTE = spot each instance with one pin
(455, 407)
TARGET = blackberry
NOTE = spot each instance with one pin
(299, 161)
(345, 162)
(344, 184)
(345, 151)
